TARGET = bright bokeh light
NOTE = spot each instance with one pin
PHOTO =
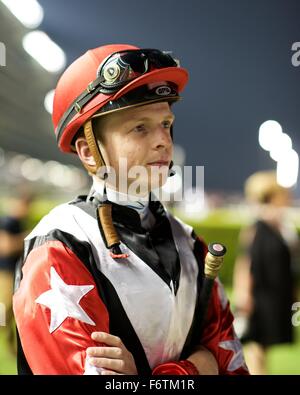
(28, 12)
(281, 147)
(15, 163)
(48, 54)
(63, 176)
(32, 169)
(56, 174)
(269, 134)
(48, 101)
(193, 205)
(50, 174)
(287, 169)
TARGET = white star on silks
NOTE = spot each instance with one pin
(237, 361)
(63, 301)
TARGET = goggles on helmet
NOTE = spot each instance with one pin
(122, 67)
(117, 70)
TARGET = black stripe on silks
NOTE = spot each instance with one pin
(155, 247)
(193, 339)
(120, 324)
(22, 364)
(33, 243)
(29, 245)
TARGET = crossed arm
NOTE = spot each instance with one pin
(115, 359)
(220, 354)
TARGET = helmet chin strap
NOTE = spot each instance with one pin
(104, 209)
(95, 150)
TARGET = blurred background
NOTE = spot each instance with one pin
(239, 113)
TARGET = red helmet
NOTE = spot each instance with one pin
(99, 78)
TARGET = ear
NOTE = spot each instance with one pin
(84, 152)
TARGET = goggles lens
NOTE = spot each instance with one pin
(124, 66)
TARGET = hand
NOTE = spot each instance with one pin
(204, 361)
(113, 357)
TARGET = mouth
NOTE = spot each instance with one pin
(159, 163)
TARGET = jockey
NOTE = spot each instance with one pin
(110, 282)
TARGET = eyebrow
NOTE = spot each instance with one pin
(136, 118)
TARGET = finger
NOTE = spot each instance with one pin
(109, 352)
(110, 373)
(107, 363)
(107, 338)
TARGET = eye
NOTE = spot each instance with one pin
(140, 128)
(166, 124)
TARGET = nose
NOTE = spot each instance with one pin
(162, 138)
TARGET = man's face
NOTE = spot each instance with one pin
(137, 143)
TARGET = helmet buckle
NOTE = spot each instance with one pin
(90, 87)
(77, 107)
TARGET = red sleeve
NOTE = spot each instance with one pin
(219, 336)
(57, 307)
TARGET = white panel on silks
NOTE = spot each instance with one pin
(160, 319)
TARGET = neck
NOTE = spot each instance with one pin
(106, 191)
(272, 215)
(137, 203)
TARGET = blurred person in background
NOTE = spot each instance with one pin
(263, 284)
(12, 233)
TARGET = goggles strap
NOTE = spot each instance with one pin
(76, 106)
(93, 146)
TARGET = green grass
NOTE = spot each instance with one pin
(8, 363)
(285, 359)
